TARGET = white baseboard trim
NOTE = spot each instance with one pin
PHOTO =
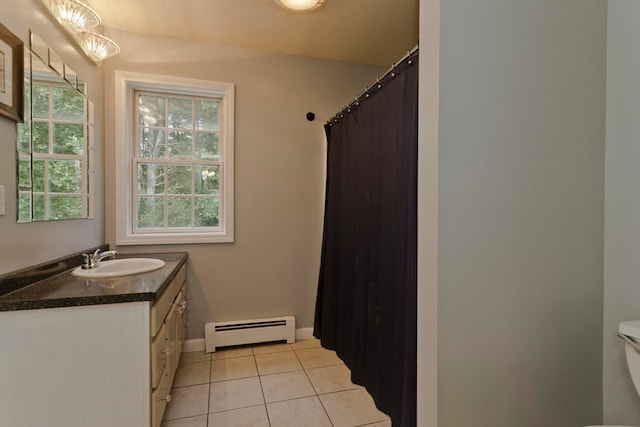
(304, 333)
(193, 345)
(199, 345)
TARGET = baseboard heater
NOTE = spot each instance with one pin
(238, 332)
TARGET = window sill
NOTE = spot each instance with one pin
(175, 239)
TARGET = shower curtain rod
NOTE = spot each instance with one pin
(365, 93)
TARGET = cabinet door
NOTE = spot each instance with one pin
(160, 352)
(159, 399)
(171, 322)
(182, 322)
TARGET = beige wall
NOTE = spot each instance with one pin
(22, 245)
(272, 267)
(520, 222)
(622, 208)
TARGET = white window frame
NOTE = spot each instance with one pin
(126, 84)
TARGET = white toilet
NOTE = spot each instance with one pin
(630, 333)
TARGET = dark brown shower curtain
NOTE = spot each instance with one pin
(366, 302)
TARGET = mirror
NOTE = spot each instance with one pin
(55, 142)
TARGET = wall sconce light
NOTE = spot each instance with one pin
(80, 19)
(300, 5)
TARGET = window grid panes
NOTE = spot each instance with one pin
(59, 135)
(176, 163)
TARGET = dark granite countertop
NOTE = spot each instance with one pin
(65, 290)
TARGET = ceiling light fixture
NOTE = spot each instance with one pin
(97, 46)
(78, 17)
(301, 5)
(75, 15)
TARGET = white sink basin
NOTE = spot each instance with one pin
(119, 267)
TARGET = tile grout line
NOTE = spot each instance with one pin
(209, 388)
(264, 398)
(181, 365)
(307, 375)
(337, 391)
(314, 388)
(234, 379)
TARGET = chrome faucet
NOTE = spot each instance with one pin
(93, 260)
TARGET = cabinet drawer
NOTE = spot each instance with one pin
(161, 307)
(160, 352)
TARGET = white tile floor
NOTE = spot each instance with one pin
(270, 385)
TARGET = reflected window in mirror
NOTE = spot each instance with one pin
(53, 143)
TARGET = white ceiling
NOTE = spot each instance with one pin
(373, 32)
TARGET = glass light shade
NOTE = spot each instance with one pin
(300, 5)
(75, 15)
(97, 46)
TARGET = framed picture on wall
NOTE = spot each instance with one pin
(11, 75)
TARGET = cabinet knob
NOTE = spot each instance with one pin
(166, 351)
(182, 307)
(167, 398)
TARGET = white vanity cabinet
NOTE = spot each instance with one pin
(100, 365)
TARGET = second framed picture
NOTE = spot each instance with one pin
(11, 75)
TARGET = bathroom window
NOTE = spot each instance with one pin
(174, 160)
